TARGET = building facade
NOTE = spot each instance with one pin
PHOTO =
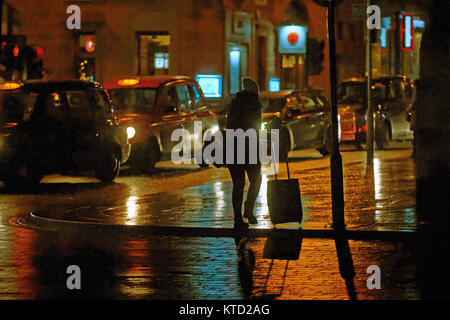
(227, 38)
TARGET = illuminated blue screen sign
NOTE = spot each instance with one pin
(211, 85)
(292, 39)
(383, 37)
(407, 31)
(274, 84)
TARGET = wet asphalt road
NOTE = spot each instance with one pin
(116, 265)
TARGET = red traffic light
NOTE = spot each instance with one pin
(40, 51)
(16, 51)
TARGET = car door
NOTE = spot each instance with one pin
(176, 107)
(307, 121)
(397, 110)
(200, 112)
(295, 121)
(319, 118)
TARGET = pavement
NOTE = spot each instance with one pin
(379, 203)
(170, 236)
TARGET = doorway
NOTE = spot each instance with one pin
(237, 62)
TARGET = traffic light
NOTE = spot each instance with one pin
(314, 55)
(33, 62)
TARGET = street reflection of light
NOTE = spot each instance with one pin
(262, 197)
(137, 284)
(377, 177)
(132, 210)
(377, 187)
(410, 216)
(220, 199)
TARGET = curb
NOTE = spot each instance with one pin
(214, 232)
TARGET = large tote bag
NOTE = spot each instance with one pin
(284, 199)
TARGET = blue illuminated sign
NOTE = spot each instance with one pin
(292, 39)
(274, 84)
(383, 38)
(407, 31)
(211, 85)
(386, 23)
(419, 24)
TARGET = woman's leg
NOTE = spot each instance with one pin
(254, 177)
(238, 178)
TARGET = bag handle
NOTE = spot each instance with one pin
(273, 161)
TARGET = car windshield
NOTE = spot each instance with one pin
(352, 92)
(272, 104)
(133, 100)
(356, 92)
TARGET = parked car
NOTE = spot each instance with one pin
(152, 107)
(391, 97)
(65, 127)
(303, 118)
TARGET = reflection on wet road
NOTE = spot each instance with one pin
(194, 268)
(33, 262)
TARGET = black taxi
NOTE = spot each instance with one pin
(65, 127)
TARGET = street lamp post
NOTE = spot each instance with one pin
(337, 184)
(337, 180)
(369, 121)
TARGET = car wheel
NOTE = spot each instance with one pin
(328, 143)
(203, 164)
(148, 157)
(109, 168)
(382, 136)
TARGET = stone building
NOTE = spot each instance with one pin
(227, 38)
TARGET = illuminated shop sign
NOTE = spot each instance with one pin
(292, 39)
(383, 38)
(418, 24)
(211, 85)
(386, 23)
(274, 84)
(407, 31)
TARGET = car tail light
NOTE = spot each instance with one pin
(362, 129)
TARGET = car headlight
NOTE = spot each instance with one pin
(263, 125)
(131, 132)
(214, 129)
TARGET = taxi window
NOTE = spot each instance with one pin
(77, 99)
(272, 104)
(196, 97)
(305, 103)
(101, 99)
(292, 102)
(308, 104)
(48, 106)
(172, 98)
(133, 100)
(184, 98)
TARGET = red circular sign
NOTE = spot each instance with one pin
(40, 51)
(292, 37)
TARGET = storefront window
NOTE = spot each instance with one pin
(154, 53)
